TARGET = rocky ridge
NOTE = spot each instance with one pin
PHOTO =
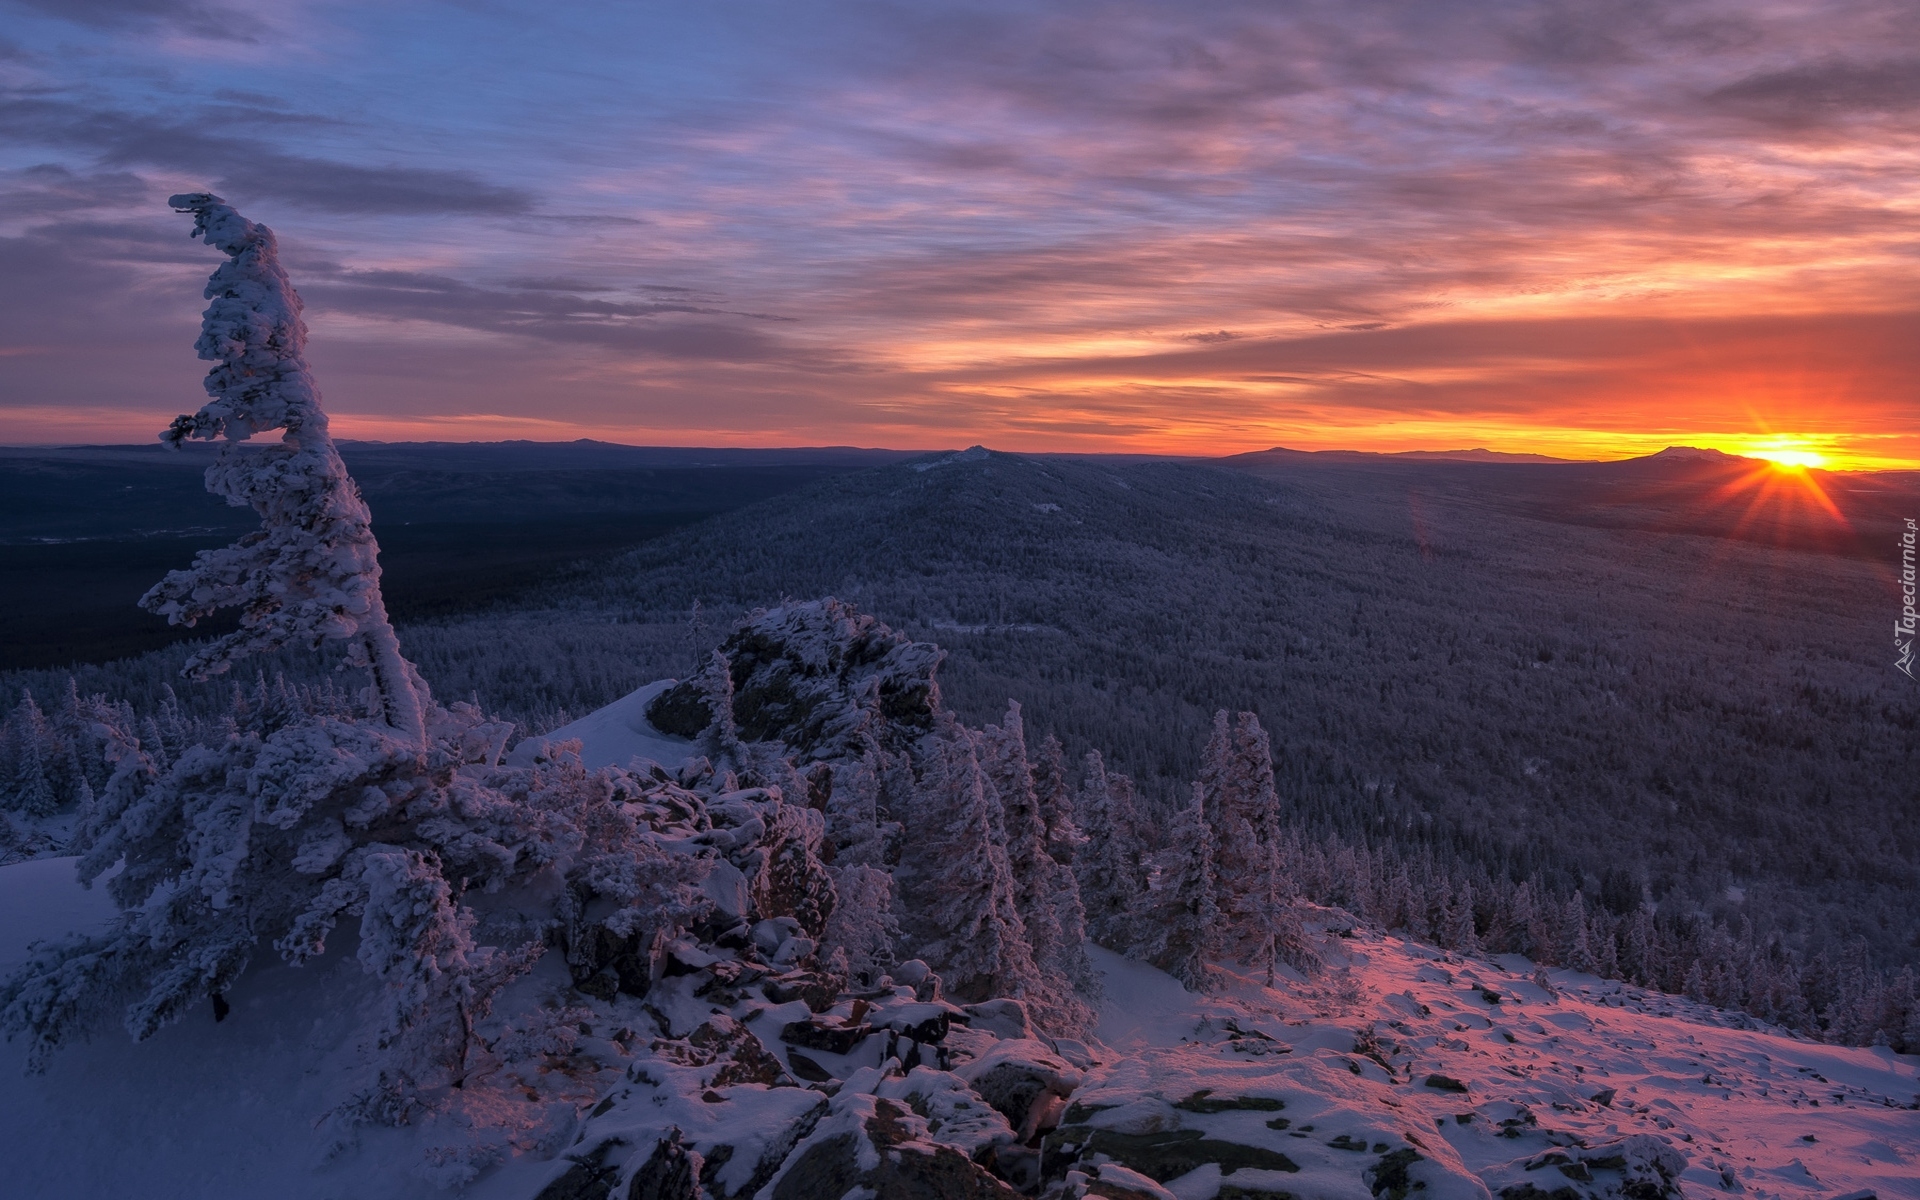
(752, 1070)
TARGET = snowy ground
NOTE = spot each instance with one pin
(1330, 1074)
(206, 1111)
(213, 1111)
(615, 735)
(1760, 1114)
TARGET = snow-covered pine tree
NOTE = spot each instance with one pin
(722, 736)
(274, 838)
(1236, 777)
(961, 888)
(863, 926)
(1462, 934)
(32, 791)
(1603, 935)
(75, 718)
(1531, 915)
(854, 826)
(1910, 1028)
(1575, 948)
(1003, 755)
(1108, 862)
(1044, 890)
(311, 573)
(1177, 916)
(1054, 794)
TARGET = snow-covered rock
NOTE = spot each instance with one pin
(819, 678)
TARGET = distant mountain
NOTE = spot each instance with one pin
(1477, 454)
(1695, 454)
(1679, 490)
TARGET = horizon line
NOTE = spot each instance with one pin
(1480, 454)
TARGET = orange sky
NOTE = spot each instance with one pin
(1585, 229)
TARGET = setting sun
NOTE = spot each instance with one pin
(1793, 460)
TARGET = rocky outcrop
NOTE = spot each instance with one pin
(1169, 1154)
(1636, 1167)
(1025, 1082)
(888, 1153)
(820, 678)
(668, 1173)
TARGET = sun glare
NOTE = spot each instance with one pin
(1792, 460)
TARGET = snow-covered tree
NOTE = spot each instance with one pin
(272, 838)
(1243, 811)
(1108, 863)
(722, 735)
(1575, 948)
(854, 825)
(1054, 792)
(1462, 933)
(1045, 891)
(1178, 916)
(440, 983)
(962, 887)
(311, 573)
(32, 791)
(863, 926)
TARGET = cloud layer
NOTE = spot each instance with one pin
(1583, 227)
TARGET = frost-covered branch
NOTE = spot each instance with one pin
(311, 573)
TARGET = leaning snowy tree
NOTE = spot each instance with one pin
(311, 573)
(276, 837)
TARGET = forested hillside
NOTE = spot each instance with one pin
(1616, 710)
(1697, 721)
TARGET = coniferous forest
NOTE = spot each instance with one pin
(1668, 754)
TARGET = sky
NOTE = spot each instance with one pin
(1592, 228)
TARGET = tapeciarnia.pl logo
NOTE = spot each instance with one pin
(1903, 626)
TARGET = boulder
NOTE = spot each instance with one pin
(825, 1035)
(818, 990)
(904, 1166)
(667, 1174)
(1002, 1018)
(820, 677)
(1389, 1178)
(1169, 1155)
(773, 1155)
(1024, 1081)
(1206, 1101)
(741, 1057)
(1111, 1181)
(916, 974)
(958, 1117)
(926, 1023)
(792, 881)
(590, 1177)
(726, 887)
(807, 1069)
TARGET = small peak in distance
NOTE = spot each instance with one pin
(1700, 453)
